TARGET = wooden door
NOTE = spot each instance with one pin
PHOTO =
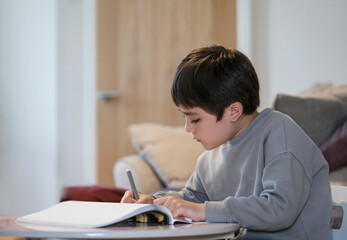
(139, 45)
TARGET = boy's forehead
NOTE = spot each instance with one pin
(188, 111)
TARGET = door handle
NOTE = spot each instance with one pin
(104, 96)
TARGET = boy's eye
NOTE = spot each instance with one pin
(195, 121)
(192, 121)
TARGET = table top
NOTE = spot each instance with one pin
(9, 227)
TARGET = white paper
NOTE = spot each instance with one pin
(90, 214)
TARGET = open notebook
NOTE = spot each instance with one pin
(98, 214)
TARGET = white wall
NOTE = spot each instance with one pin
(47, 73)
(76, 105)
(295, 44)
(28, 99)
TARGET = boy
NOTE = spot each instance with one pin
(260, 169)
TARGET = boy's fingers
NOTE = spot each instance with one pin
(129, 200)
(128, 197)
(160, 201)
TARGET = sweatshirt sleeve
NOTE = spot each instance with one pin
(285, 191)
(193, 191)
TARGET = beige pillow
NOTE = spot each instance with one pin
(170, 151)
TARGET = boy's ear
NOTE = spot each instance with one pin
(235, 111)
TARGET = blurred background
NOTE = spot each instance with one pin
(75, 73)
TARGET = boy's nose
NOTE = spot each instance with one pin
(188, 127)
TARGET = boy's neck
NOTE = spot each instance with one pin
(244, 121)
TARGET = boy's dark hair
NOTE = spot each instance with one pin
(214, 77)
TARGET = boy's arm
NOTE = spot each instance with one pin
(182, 209)
(186, 203)
(193, 191)
(286, 189)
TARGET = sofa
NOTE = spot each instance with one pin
(167, 154)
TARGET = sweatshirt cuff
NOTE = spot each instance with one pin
(215, 212)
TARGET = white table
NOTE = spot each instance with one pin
(9, 227)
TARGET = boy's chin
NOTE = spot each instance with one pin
(207, 147)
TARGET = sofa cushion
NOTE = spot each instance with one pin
(145, 179)
(336, 154)
(334, 148)
(93, 193)
(339, 133)
(170, 151)
(318, 111)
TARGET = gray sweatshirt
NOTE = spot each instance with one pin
(271, 179)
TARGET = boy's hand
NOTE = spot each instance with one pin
(143, 198)
(181, 209)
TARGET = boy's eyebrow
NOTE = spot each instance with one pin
(187, 112)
